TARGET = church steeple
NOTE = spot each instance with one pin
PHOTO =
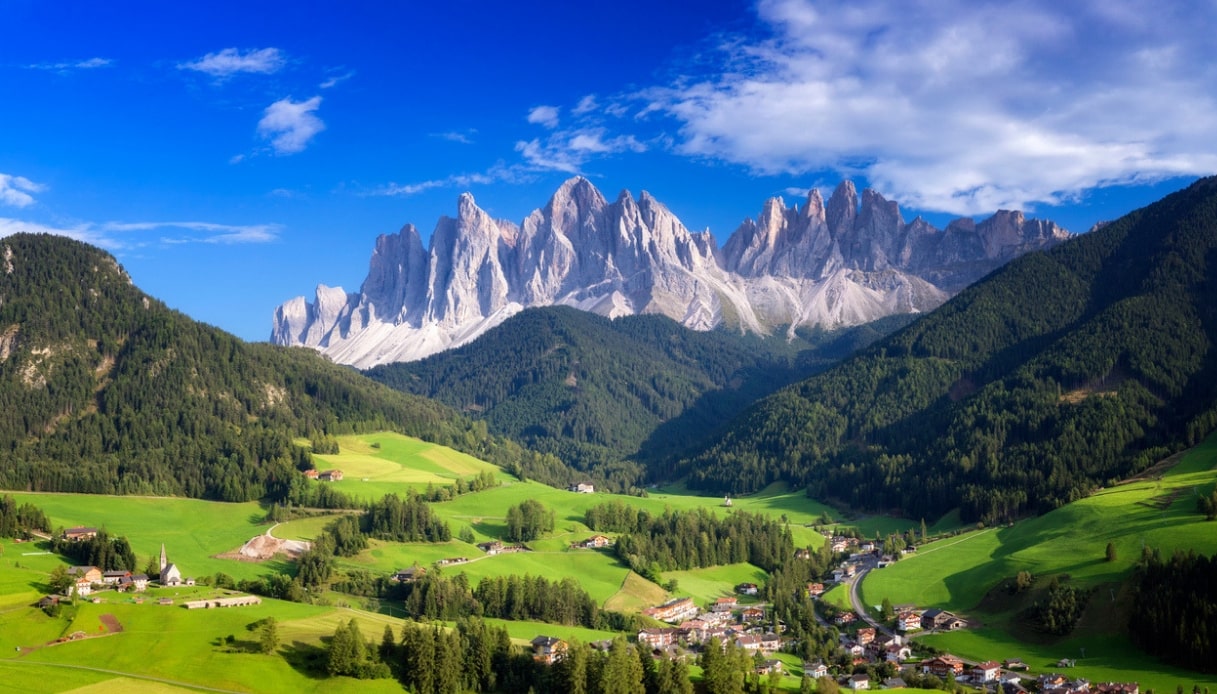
(164, 558)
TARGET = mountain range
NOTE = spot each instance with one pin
(1062, 372)
(841, 263)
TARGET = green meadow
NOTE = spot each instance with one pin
(964, 573)
(707, 585)
(193, 531)
(374, 465)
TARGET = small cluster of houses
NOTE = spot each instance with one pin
(90, 579)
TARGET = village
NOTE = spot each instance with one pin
(863, 642)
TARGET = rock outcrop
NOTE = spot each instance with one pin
(831, 264)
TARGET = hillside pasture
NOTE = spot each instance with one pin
(964, 573)
(193, 531)
(374, 465)
(707, 585)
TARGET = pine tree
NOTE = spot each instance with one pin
(268, 635)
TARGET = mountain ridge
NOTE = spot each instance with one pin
(838, 263)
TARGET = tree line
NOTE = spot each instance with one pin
(18, 521)
(1174, 612)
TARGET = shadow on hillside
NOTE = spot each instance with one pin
(307, 659)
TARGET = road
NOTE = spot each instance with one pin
(855, 600)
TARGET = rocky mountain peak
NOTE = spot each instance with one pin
(848, 261)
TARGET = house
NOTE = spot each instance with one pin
(112, 578)
(941, 619)
(894, 683)
(582, 488)
(815, 590)
(908, 621)
(330, 476)
(658, 638)
(82, 587)
(548, 649)
(768, 667)
(752, 614)
(770, 642)
(311, 473)
(79, 533)
(859, 682)
(866, 635)
(673, 611)
(134, 582)
(815, 670)
(802, 553)
(492, 547)
(986, 671)
(92, 574)
(897, 653)
(1015, 664)
(844, 618)
(596, 542)
(409, 575)
(750, 643)
(724, 605)
(747, 589)
(943, 666)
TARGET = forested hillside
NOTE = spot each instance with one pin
(1059, 373)
(604, 395)
(106, 390)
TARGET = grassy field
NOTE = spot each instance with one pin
(707, 585)
(374, 465)
(962, 573)
(192, 531)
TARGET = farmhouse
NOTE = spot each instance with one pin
(859, 682)
(596, 542)
(747, 589)
(866, 635)
(943, 665)
(311, 473)
(802, 553)
(548, 649)
(90, 574)
(673, 611)
(492, 547)
(79, 533)
(330, 476)
(83, 587)
(1116, 688)
(724, 605)
(113, 578)
(752, 614)
(409, 575)
(582, 488)
(768, 667)
(751, 643)
(815, 590)
(844, 618)
(941, 619)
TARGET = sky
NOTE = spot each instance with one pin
(235, 155)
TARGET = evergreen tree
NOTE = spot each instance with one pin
(268, 635)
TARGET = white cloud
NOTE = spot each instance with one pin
(464, 137)
(570, 150)
(586, 105)
(87, 64)
(117, 236)
(961, 106)
(15, 191)
(498, 173)
(546, 116)
(289, 125)
(336, 80)
(231, 61)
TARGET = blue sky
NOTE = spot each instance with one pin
(233, 155)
